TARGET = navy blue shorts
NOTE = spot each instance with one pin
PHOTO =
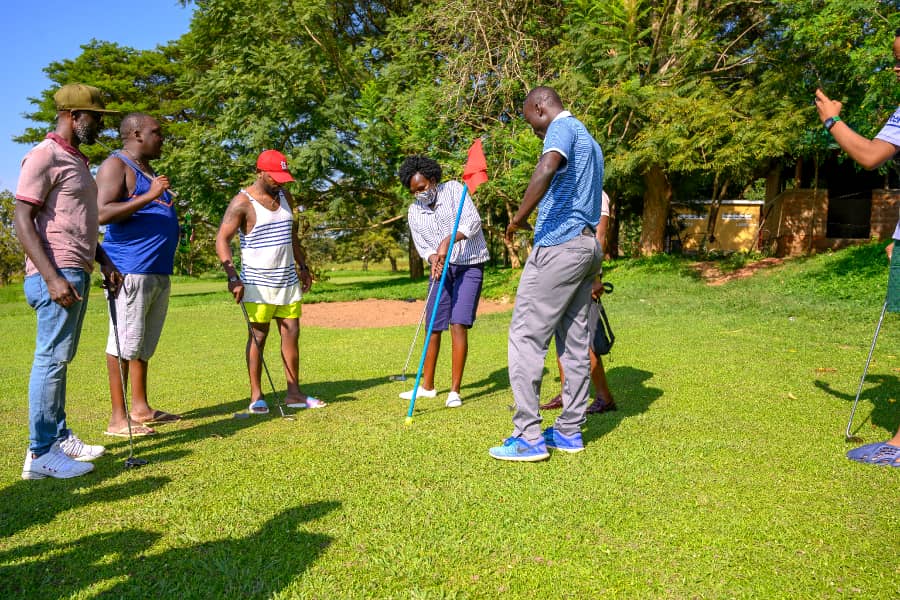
(459, 298)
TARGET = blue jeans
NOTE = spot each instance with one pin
(58, 330)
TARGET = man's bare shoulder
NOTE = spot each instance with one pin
(112, 164)
(239, 200)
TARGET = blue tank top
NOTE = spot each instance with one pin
(145, 242)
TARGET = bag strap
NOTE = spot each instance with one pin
(605, 319)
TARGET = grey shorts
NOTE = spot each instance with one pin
(141, 308)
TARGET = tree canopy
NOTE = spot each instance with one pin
(684, 96)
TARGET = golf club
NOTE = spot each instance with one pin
(132, 461)
(852, 438)
(262, 360)
(402, 376)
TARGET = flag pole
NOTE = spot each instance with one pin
(437, 298)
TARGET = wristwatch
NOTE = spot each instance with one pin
(234, 279)
(830, 121)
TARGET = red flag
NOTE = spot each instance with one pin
(475, 171)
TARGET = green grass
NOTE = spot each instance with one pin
(722, 474)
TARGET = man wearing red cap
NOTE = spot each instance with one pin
(273, 275)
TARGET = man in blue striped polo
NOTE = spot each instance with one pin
(431, 219)
(554, 291)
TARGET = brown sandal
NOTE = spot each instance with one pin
(553, 404)
(599, 405)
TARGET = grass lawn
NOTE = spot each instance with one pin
(722, 474)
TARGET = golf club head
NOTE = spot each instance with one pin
(133, 462)
(853, 439)
(241, 415)
(397, 378)
(284, 415)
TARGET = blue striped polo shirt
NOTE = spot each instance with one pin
(573, 199)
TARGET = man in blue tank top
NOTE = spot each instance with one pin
(141, 238)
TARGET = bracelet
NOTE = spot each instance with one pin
(830, 122)
(304, 268)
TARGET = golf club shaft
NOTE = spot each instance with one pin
(419, 326)
(114, 318)
(865, 370)
(262, 359)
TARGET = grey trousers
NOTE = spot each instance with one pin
(553, 299)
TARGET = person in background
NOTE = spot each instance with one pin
(604, 401)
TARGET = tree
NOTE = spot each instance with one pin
(456, 70)
(672, 88)
(12, 257)
(370, 245)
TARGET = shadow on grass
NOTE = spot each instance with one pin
(344, 390)
(167, 444)
(27, 503)
(884, 412)
(496, 382)
(123, 565)
(632, 396)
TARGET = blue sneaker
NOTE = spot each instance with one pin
(514, 448)
(566, 443)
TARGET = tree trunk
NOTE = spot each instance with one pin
(612, 233)
(393, 260)
(513, 252)
(512, 248)
(714, 207)
(416, 271)
(657, 196)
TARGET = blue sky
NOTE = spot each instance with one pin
(38, 32)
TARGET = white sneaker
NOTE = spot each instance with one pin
(453, 400)
(423, 393)
(54, 463)
(74, 448)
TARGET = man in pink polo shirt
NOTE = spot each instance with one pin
(56, 222)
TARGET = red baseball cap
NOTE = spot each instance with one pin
(274, 163)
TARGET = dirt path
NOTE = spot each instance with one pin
(377, 313)
(713, 276)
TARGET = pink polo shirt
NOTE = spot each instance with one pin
(55, 177)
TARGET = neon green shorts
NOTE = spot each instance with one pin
(263, 313)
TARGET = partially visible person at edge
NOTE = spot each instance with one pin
(870, 154)
(141, 238)
(431, 218)
(274, 273)
(56, 223)
(604, 401)
(554, 293)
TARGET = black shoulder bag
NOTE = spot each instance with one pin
(604, 337)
